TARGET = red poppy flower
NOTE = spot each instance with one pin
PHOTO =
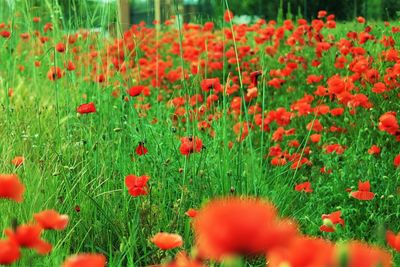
(137, 185)
(190, 145)
(11, 187)
(9, 252)
(322, 13)
(29, 236)
(363, 192)
(136, 90)
(388, 123)
(247, 226)
(51, 219)
(86, 108)
(48, 27)
(55, 73)
(60, 47)
(166, 241)
(212, 83)
(337, 148)
(396, 161)
(374, 150)
(70, 65)
(393, 240)
(18, 161)
(228, 15)
(330, 221)
(360, 20)
(315, 138)
(306, 187)
(85, 260)
(254, 77)
(141, 149)
(5, 34)
(191, 213)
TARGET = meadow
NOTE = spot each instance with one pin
(186, 128)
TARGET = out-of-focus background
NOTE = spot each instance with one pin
(135, 11)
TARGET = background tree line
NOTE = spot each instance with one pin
(101, 13)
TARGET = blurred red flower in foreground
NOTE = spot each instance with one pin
(235, 226)
(51, 219)
(86, 108)
(361, 254)
(363, 192)
(85, 260)
(393, 240)
(182, 260)
(303, 252)
(9, 251)
(312, 252)
(167, 241)
(11, 187)
(137, 185)
(29, 236)
(396, 161)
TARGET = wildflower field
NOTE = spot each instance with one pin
(275, 143)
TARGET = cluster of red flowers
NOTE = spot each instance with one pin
(29, 235)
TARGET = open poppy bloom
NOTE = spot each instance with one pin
(374, 150)
(211, 83)
(306, 187)
(60, 47)
(11, 187)
(29, 236)
(51, 219)
(235, 226)
(190, 145)
(363, 192)
(330, 221)
(136, 90)
(393, 240)
(18, 161)
(9, 251)
(86, 108)
(5, 34)
(167, 241)
(137, 185)
(85, 260)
